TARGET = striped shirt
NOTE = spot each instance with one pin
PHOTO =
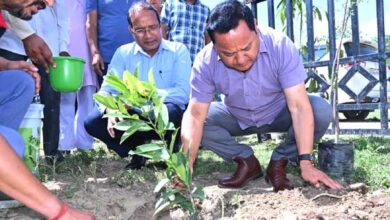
(186, 23)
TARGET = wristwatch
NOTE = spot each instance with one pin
(305, 157)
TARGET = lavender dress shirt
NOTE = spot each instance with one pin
(255, 97)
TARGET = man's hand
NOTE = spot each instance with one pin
(111, 122)
(28, 68)
(98, 64)
(72, 214)
(316, 177)
(38, 51)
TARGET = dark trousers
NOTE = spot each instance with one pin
(96, 126)
(51, 112)
(99, 77)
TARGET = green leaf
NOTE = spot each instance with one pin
(160, 124)
(122, 126)
(131, 82)
(165, 115)
(138, 101)
(182, 168)
(121, 115)
(126, 124)
(151, 78)
(171, 126)
(147, 109)
(116, 82)
(172, 197)
(198, 193)
(150, 155)
(143, 89)
(183, 202)
(134, 128)
(145, 128)
(136, 72)
(122, 108)
(165, 155)
(105, 100)
(318, 12)
(163, 207)
(161, 184)
(148, 147)
(173, 138)
(159, 202)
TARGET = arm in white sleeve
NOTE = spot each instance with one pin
(21, 27)
(61, 10)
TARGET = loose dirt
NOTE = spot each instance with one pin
(111, 194)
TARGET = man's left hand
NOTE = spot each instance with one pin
(316, 177)
(38, 51)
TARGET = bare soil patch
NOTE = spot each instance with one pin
(111, 193)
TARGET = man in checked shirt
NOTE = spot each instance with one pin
(185, 21)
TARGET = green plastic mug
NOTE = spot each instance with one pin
(68, 74)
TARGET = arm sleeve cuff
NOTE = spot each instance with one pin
(21, 28)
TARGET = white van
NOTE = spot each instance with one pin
(358, 82)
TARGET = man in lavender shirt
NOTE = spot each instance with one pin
(261, 76)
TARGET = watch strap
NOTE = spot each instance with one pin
(305, 157)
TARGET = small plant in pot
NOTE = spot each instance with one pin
(337, 158)
(152, 115)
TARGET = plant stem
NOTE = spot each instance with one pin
(335, 70)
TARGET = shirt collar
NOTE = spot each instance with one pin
(263, 48)
(163, 46)
(195, 3)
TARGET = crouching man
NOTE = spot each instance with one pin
(260, 75)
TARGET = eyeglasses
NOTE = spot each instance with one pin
(41, 4)
(142, 31)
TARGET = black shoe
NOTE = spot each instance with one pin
(66, 152)
(136, 162)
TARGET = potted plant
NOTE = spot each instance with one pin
(337, 158)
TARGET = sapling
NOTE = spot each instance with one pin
(152, 115)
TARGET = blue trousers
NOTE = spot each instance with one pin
(221, 127)
(16, 93)
(96, 126)
(51, 112)
(72, 131)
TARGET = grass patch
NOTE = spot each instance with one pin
(372, 162)
(375, 115)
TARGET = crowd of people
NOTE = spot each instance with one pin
(195, 53)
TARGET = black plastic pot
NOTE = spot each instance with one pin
(337, 160)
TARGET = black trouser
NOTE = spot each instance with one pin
(2, 30)
(51, 112)
(99, 77)
(96, 126)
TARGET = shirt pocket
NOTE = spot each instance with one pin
(165, 76)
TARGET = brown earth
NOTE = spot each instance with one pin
(111, 194)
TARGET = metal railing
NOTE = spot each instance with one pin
(379, 56)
